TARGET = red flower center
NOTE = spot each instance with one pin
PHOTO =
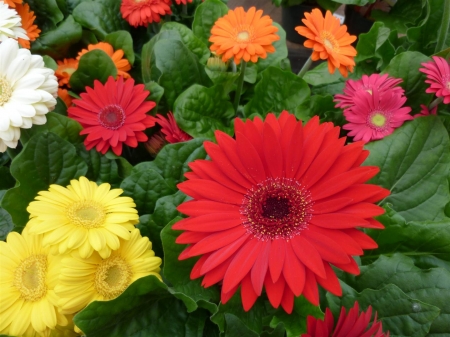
(111, 117)
(276, 208)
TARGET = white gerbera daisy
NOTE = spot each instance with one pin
(10, 23)
(28, 91)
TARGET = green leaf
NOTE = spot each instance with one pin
(429, 286)
(355, 2)
(56, 42)
(6, 181)
(406, 66)
(401, 16)
(46, 159)
(322, 106)
(6, 223)
(323, 82)
(178, 273)
(4, 158)
(122, 39)
(49, 62)
(94, 65)
(200, 111)
(235, 327)
(295, 323)
(146, 308)
(47, 12)
(65, 127)
(272, 94)
(225, 79)
(400, 314)
(175, 68)
(413, 164)
(156, 92)
(281, 51)
(205, 16)
(191, 41)
(100, 16)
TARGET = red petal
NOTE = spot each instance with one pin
(374, 224)
(272, 152)
(225, 297)
(207, 189)
(276, 259)
(190, 237)
(250, 157)
(311, 291)
(308, 255)
(365, 241)
(202, 207)
(311, 146)
(287, 302)
(349, 154)
(327, 248)
(338, 221)
(209, 222)
(331, 282)
(345, 241)
(248, 295)
(259, 269)
(351, 267)
(363, 209)
(293, 271)
(293, 156)
(217, 240)
(195, 272)
(274, 290)
(216, 275)
(330, 205)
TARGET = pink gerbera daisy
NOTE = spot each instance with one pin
(438, 76)
(426, 111)
(143, 12)
(351, 324)
(375, 115)
(171, 130)
(113, 114)
(184, 2)
(379, 82)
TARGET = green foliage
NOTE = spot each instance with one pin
(413, 164)
(47, 12)
(6, 224)
(94, 65)
(200, 111)
(122, 39)
(273, 95)
(46, 159)
(403, 14)
(205, 16)
(49, 62)
(280, 54)
(323, 82)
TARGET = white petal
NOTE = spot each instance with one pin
(8, 51)
(26, 96)
(29, 81)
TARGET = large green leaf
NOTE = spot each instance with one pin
(323, 82)
(401, 16)
(100, 16)
(122, 39)
(94, 65)
(205, 16)
(273, 95)
(6, 181)
(281, 51)
(6, 224)
(414, 166)
(406, 66)
(47, 12)
(430, 286)
(200, 111)
(46, 159)
(178, 272)
(56, 42)
(400, 314)
(146, 308)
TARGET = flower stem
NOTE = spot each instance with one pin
(435, 102)
(240, 84)
(305, 67)
(184, 11)
(445, 25)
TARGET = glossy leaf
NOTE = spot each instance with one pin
(205, 16)
(47, 12)
(122, 39)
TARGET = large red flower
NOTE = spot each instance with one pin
(276, 207)
(113, 114)
(351, 324)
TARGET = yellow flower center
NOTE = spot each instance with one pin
(86, 214)
(329, 41)
(369, 91)
(5, 91)
(112, 277)
(378, 119)
(29, 278)
(243, 35)
(69, 71)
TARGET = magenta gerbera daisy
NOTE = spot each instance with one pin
(375, 115)
(382, 83)
(438, 76)
(113, 114)
(351, 324)
(276, 207)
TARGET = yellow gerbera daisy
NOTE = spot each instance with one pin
(83, 217)
(29, 273)
(95, 279)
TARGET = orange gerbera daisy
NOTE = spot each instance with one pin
(121, 63)
(28, 18)
(64, 95)
(143, 12)
(65, 69)
(243, 35)
(12, 3)
(329, 41)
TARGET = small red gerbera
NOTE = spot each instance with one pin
(351, 324)
(438, 76)
(184, 2)
(143, 12)
(375, 115)
(276, 207)
(382, 83)
(113, 114)
(171, 130)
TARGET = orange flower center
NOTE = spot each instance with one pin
(276, 208)
(329, 41)
(111, 117)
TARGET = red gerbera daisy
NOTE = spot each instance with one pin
(113, 114)
(171, 130)
(438, 76)
(276, 207)
(375, 115)
(352, 324)
(426, 111)
(382, 83)
(143, 12)
(184, 2)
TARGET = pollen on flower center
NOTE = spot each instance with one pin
(5, 91)
(86, 214)
(29, 278)
(377, 120)
(111, 116)
(243, 35)
(112, 277)
(329, 41)
(276, 208)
